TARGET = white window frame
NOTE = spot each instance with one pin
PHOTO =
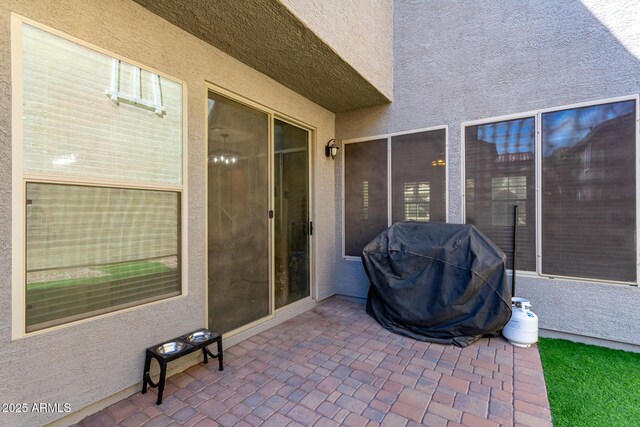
(537, 115)
(388, 137)
(19, 180)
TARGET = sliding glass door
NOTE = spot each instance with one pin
(238, 222)
(258, 227)
(291, 203)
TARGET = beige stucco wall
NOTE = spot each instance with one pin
(87, 362)
(361, 32)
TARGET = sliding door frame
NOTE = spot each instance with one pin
(310, 209)
(272, 116)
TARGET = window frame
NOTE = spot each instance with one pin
(388, 137)
(537, 115)
(19, 180)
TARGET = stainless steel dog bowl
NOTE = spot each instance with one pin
(170, 347)
(200, 336)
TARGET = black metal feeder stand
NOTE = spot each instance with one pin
(175, 349)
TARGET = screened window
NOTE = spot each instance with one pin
(102, 171)
(589, 193)
(365, 181)
(418, 184)
(500, 173)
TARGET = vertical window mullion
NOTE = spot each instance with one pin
(637, 183)
(389, 183)
(538, 174)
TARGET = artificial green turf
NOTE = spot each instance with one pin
(589, 385)
(133, 268)
(124, 270)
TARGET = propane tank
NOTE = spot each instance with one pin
(522, 328)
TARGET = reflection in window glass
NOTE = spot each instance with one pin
(500, 173)
(505, 193)
(588, 192)
(365, 200)
(470, 198)
(416, 201)
(72, 127)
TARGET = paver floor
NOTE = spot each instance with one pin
(334, 365)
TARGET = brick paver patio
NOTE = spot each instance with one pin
(334, 365)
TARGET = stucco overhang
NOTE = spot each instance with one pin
(267, 36)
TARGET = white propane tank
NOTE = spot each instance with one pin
(522, 328)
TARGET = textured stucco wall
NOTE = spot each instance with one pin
(361, 32)
(468, 60)
(268, 36)
(84, 363)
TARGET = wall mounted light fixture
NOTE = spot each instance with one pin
(331, 149)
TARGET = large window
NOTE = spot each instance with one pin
(586, 189)
(100, 182)
(418, 184)
(500, 173)
(589, 192)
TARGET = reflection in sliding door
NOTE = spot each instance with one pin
(238, 225)
(291, 214)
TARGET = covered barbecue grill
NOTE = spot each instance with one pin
(444, 283)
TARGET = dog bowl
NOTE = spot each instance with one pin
(200, 336)
(170, 347)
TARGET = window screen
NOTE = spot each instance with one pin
(500, 173)
(365, 180)
(588, 192)
(92, 250)
(418, 173)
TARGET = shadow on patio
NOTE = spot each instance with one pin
(334, 365)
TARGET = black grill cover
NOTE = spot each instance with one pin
(444, 283)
